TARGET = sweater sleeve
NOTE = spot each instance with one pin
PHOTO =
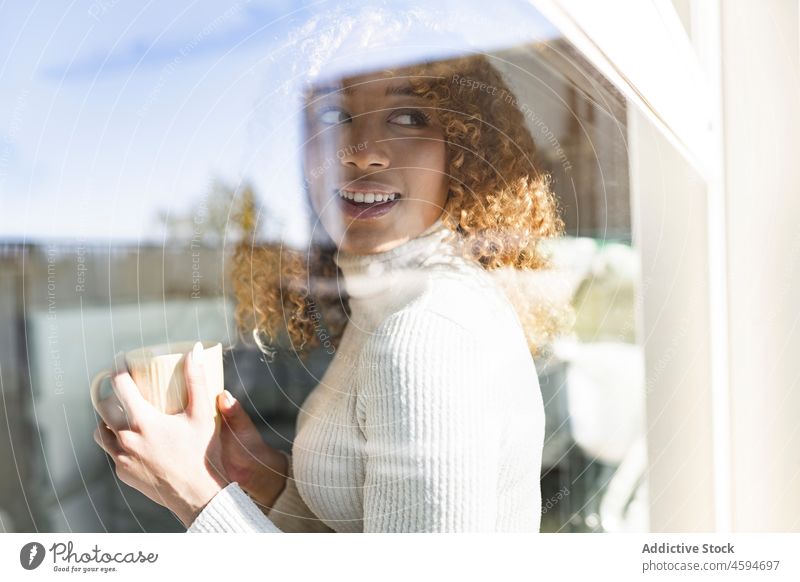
(431, 427)
(232, 511)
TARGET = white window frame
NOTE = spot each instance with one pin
(674, 79)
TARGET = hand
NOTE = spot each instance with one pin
(258, 468)
(174, 459)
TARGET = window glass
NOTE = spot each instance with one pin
(147, 151)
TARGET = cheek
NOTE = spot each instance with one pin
(431, 152)
(428, 153)
(432, 158)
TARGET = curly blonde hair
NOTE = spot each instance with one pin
(499, 203)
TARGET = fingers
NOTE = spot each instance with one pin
(111, 411)
(120, 447)
(235, 417)
(134, 406)
(196, 388)
(107, 440)
(232, 411)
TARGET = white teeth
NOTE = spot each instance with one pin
(368, 197)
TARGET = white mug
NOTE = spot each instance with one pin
(158, 373)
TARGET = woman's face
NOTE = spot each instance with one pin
(375, 162)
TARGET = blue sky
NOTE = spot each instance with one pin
(111, 110)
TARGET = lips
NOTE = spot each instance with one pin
(367, 204)
(367, 186)
(368, 197)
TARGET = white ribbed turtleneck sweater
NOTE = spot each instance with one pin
(429, 417)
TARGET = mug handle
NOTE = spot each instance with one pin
(94, 389)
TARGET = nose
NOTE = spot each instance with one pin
(364, 150)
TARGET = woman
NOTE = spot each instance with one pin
(429, 417)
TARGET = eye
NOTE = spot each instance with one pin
(332, 116)
(410, 117)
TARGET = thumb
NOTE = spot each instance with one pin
(134, 405)
(195, 375)
(235, 415)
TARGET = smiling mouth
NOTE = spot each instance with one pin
(366, 205)
(367, 198)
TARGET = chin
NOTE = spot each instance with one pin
(367, 245)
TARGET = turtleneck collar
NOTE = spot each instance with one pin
(381, 274)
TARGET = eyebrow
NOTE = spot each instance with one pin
(402, 90)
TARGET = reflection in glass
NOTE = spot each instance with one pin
(504, 133)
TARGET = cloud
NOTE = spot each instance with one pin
(216, 32)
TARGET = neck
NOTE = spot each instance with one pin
(373, 279)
